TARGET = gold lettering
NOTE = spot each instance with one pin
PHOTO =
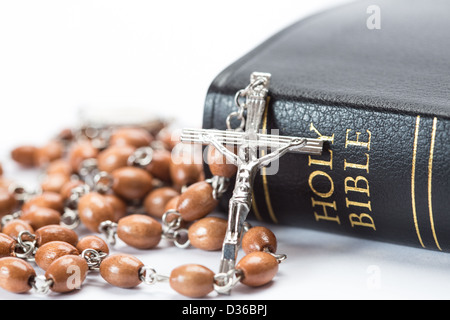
(349, 203)
(357, 142)
(357, 220)
(357, 166)
(355, 185)
(325, 215)
(322, 174)
(322, 162)
(321, 136)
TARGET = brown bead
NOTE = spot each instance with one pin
(25, 155)
(7, 246)
(67, 273)
(54, 182)
(172, 204)
(92, 242)
(192, 280)
(183, 174)
(121, 270)
(59, 166)
(139, 231)
(93, 209)
(259, 268)
(79, 152)
(52, 151)
(14, 227)
(55, 233)
(118, 205)
(159, 167)
(114, 157)
(50, 200)
(135, 137)
(156, 201)
(16, 275)
(259, 239)
(7, 202)
(40, 217)
(49, 252)
(1, 170)
(196, 201)
(219, 165)
(208, 233)
(132, 183)
(66, 189)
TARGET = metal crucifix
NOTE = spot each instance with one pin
(246, 159)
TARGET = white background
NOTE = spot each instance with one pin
(58, 56)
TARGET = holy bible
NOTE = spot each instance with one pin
(372, 81)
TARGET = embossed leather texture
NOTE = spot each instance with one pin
(379, 98)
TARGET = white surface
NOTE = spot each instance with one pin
(59, 55)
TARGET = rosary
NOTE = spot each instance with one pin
(130, 183)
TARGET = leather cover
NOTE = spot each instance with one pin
(379, 98)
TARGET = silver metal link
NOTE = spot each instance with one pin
(172, 230)
(25, 249)
(219, 185)
(224, 282)
(93, 258)
(103, 182)
(109, 230)
(149, 276)
(41, 284)
(142, 157)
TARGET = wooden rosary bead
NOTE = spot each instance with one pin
(55, 233)
(7, 202)
(159, 167)
(66, 189)
(79, 152)
(172, 204)
(208, 233)
(139, 231)
(132, 183)
(93, 209)
(156, 201)
(218, 164)
(119, 206)
(51, 151)
(192, 280)
(259, 268)
(121, 270)
(60, 166)
(259, 239)
(40, 217)
(54, 182)
(49, 252)
(92, 242)
(16, 275)
(196, 201)
(67, 273)
(50, 200)
(7, 246)
(14, 227)
(184, 174)
(114, 157)
(135, 137)
(25, 155)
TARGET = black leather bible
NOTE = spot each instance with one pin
(378, 94)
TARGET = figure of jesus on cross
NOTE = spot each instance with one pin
(247, 161)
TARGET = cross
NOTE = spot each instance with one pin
(246, 159)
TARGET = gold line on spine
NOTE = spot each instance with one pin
(413, 177)
(430, 175)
